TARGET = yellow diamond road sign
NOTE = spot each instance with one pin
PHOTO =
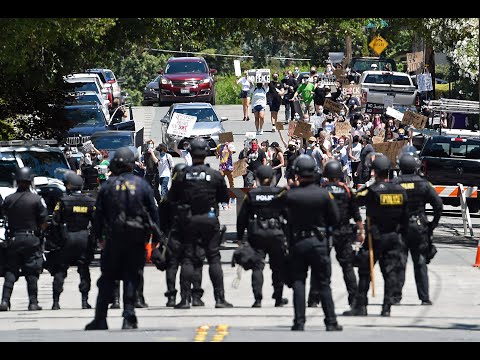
(378, 44)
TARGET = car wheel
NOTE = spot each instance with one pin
(212, 101)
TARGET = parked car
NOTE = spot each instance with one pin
(85, 82)
(88, 98)
(452, 159)
(108, 77)
(375, 85)
(187, 79)
(360, 64)
(208, 124)
(111, 140)
(150, 92)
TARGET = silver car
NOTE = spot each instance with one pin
(207, 126)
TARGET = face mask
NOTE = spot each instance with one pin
(291, 148)
(259, 86)
(254, 147)
(310, 145)
(400, 136)
(150, 146)
(162, 154)
(100, 157)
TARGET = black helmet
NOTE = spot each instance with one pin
(381, 163)
(73, 181)
(24, 174)
(409, 149)
(179, 167)
(124, 155)
(333, 169)
(408, 163)
(199, 148)
(305, 165)
(264, 172)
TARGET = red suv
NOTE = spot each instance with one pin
(186, 79)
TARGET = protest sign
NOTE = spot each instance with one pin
(387, 101)
(181, 125)
(343, 128)
(291, 127)
(414, 61)
(236, 65)
(225, 137)
(372, 108)
(87, 146)
(239, 168)
(354, 89)
(418, 121)
(394, 113)
(303, 129)
(258, 75)
(424, 82)
(332, 106)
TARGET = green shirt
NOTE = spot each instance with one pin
(305, 90)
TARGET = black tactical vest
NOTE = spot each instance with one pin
(260, 199)
(415, 187)
(77, 211)
(342, 196)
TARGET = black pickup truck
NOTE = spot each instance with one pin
(453, 159)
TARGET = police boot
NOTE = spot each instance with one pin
(171, 301)
(196, 301)
(257, 303)
(130, 323)
(183, 304)
(56, 302)
(280, 302)
(334, 327)
(140, 303)
(220, 301)
(358, 310)
(32, 290)
(116, 303)
(385, 310)
(312, 303)
(298, 327)
(85, 304)
(97, 325)
(5, 304)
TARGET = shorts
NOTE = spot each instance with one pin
(258, 108)
(275, 106)
(244, 94)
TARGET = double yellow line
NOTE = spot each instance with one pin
(201, 333)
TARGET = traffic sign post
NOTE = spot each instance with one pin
(378, 44)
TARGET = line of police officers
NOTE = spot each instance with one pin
(293, 227)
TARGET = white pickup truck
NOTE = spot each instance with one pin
(377, 86)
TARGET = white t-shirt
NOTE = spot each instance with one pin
(245, 84)
(165, 165)
(259, 97)
(356, 149)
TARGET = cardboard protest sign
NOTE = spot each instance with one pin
(225, 137)
(343, 128)
(87, 146)
(356, 90)
(378, 139)
(239, 168)
(291, 127)
(181, 125)
(236, 65)
(381, 147)
(279, 125)
(339, 73)
(372, 108)
(387, 101)
(414, 61)
(418, 121)
(303, 129)
(390, 149)
(332, 106)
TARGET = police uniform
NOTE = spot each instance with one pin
(26, 214)
(419, 192)
(310, 210)
(72, 218)
(201, 189)
(386, 206)
(265, 235)
(124, 217)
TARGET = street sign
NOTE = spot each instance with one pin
(378, 44)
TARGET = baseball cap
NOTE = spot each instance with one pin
(312, 138)
(274, 144)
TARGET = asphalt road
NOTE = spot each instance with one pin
(454, 290)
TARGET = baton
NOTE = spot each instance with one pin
(370, 253)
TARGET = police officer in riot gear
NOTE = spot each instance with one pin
(386, 205)
(75, 245)
(344, 234)
(125, 217)
(26, 214)
(310, 211)
(419, 192)
(199, 189)
(171, 222)
(265, 234)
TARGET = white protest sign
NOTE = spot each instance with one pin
(238, 70)
(388, 101)
(181, 125)
(87, 146)
(424, 82)
(394, 113)
(262, 76)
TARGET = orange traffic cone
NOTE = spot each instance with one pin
(477, 260)
(148, 247)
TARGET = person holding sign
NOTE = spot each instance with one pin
(275, 92)
(259, 103)
(245, 94)
(224, 153)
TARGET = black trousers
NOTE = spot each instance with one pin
(154, 181)
(313, 253)
(417, 244)
(271, 245)
(388, 252)
(202, 240)
(60, 274)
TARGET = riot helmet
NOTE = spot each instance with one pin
(305, 166)
(333, 169)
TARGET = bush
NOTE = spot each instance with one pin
(227, 90)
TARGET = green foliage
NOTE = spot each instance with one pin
(227, 90)
(7, 131)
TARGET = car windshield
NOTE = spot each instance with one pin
(7, 169)
(186, 67)
(109, 75)
(455, 149)
(111, 142)
(42, 163)
(83, 99)
(202, 115)
(365, 64)
(83, 86)
(84, 116)
(387, 79)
